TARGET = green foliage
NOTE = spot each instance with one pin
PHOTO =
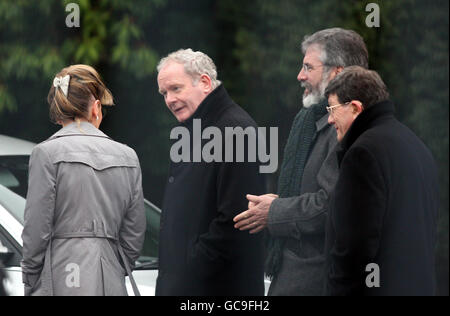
(37, 44)
(8, 100)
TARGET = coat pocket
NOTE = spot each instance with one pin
(113, 279)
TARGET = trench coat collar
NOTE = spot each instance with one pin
(85, 129)
(366, 120)
(211, 107)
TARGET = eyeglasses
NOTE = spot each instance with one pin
(307, 68)
(330, 109)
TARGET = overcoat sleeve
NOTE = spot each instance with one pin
(132, 231)
(305, 214)
(39, 211)
(358, 212)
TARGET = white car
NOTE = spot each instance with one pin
(14, 157)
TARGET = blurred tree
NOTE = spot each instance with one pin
(36, 42)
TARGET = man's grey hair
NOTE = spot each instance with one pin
(195, 65)
(339, 47)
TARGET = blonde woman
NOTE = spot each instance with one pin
(84, 217)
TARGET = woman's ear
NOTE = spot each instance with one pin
(96, 108)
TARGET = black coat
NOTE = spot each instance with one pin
(200, 251)
(384, 211)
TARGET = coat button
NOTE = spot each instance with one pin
(171, 179)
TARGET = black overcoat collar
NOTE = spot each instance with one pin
(211, 108)
(366, 120)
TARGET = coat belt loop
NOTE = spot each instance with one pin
(105, 233)
(47, 277)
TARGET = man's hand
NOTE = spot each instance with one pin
(255, 218)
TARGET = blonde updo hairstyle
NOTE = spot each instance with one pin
(85, 85)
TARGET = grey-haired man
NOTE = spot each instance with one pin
(200, 252)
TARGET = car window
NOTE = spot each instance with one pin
(10, 255)
(13, 203)
(14, 173)
(151, 242)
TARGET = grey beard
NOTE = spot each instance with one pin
(311, 99)
(316, 95)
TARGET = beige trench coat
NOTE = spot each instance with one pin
(84, 208)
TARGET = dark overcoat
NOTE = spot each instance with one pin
(384, 211)
(200, 251)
